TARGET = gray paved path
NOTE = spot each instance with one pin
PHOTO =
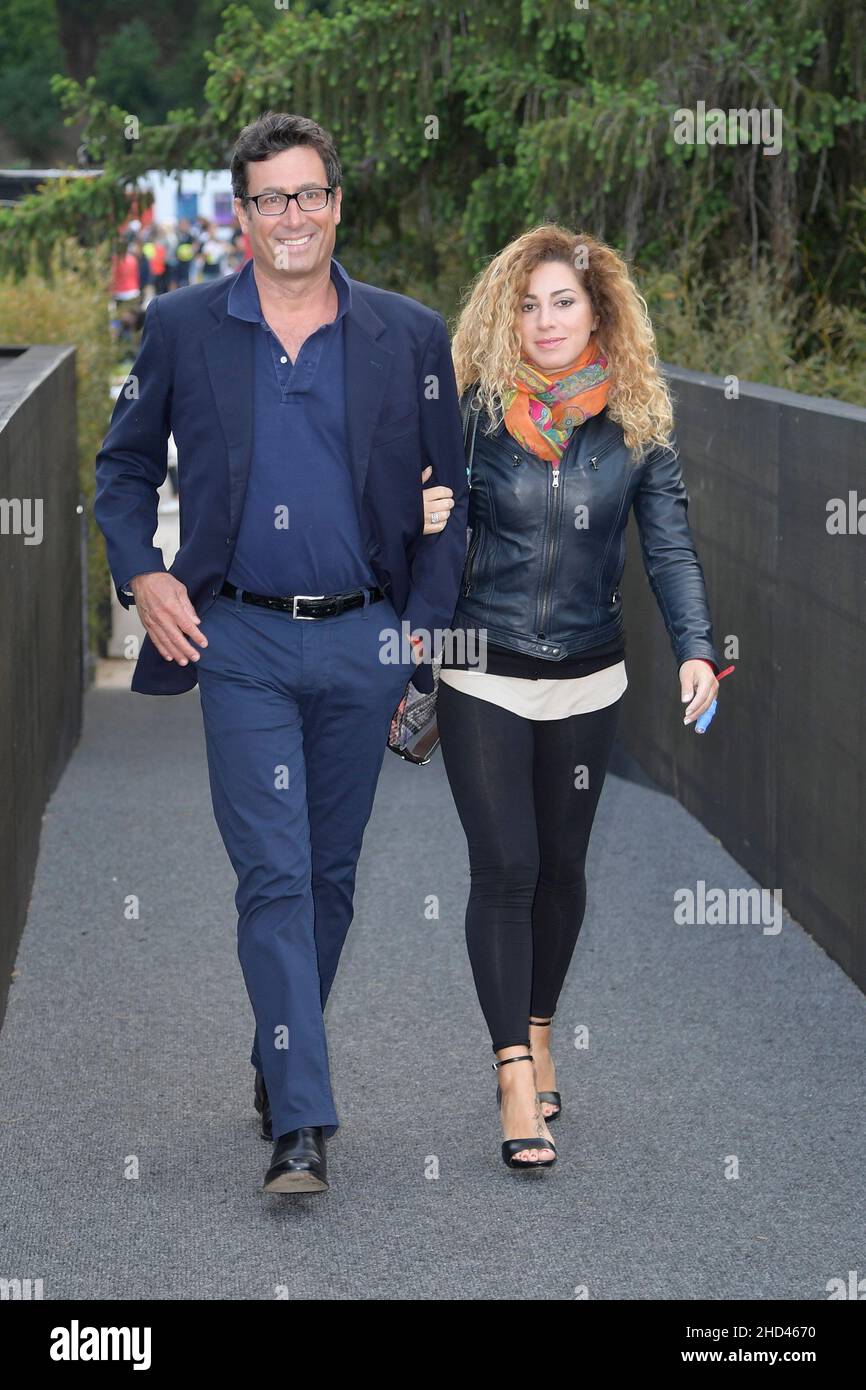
(127, 1042)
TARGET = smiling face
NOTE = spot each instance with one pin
(297, 243)
(555, 318)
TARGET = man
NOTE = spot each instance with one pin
(184, 253)
(304, 406)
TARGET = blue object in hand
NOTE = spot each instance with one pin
(702, 724)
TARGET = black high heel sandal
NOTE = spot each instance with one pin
(511, 1147)
(548, 1097)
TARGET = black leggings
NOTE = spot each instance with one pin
(527, 826)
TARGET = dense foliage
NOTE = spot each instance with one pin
(460, 125)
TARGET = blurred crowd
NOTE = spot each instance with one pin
(150, 260)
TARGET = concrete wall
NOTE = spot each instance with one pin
(41, 665)
(780, 777)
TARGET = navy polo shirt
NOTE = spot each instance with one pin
(299, 532)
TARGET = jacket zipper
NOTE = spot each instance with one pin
(553, 531)
(593, 462)
(545, 601)
(553, 528)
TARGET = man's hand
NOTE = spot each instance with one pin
(438, 502)
(165, 610)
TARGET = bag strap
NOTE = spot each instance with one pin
(466, 412)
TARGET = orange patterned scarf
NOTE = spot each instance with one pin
(542, 409)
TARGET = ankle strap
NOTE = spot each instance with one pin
(505, 1060)
(542, 1023)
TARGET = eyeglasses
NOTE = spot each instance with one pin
(275, 204)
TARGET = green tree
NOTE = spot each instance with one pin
(461, 125)
(31, 52)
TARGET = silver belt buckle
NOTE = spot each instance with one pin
(303, 617)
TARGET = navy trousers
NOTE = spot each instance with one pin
(296, 716)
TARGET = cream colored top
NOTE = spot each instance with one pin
(542, 699)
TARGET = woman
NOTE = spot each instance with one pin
(573, 427)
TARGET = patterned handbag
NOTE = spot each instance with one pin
(414, 731)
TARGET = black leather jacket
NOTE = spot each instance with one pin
(546, 556)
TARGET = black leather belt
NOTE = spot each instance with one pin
(307, 605)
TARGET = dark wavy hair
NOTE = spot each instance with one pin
(275, 131)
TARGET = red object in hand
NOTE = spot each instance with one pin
(727, 671)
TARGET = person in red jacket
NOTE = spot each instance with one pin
(125, 289)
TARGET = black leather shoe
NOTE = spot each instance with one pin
(263, 1105)
(298, 1162)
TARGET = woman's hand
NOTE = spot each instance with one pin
(438, 502)
(699, 686)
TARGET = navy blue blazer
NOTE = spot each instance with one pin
(193, 377)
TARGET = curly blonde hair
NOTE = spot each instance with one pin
(486, 345)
